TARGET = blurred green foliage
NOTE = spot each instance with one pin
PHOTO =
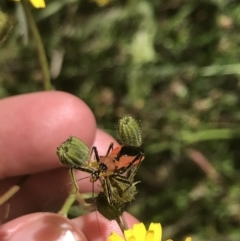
(175, 66)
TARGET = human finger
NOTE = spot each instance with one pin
(54, 227)
(34, 196)
(41, 226)
(33, 125)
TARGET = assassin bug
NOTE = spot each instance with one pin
(108, 169)
(74, 154)
(117, 190)
(115, 170)
(116, 161)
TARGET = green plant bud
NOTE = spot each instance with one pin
(129, 131)
(111, 212)
(73, 152)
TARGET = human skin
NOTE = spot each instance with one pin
(32, 126)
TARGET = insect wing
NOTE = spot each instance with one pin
(73, 152)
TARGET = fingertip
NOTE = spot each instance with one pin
(102, 141)
(33, 125)
(41, 226)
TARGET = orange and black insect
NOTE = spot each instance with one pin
(114, 170)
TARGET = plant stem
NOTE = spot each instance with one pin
(41, 51)
(12, 190)
(67, 204)
(71, 197)
(9, 193)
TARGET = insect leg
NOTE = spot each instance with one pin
(110, 148)
(108, 191)
(85, 169)
(94, 149)
(134, 169)
(97, 157)
(121, 179)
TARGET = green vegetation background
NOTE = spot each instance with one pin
(174, 65)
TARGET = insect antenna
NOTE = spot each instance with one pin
(95, 204)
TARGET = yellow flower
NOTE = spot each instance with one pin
(36, 3)
(139, 233)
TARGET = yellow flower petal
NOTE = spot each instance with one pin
(115, 237)
(128, 233)
(139, 231)
(150, 235)
(38, 3)
(132, 238)
(157, 229)
(35, 3)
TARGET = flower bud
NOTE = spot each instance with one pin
(73, 152)
(129, 131)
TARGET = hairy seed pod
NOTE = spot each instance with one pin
(73, 152)
(111, 212)
(129, 131)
